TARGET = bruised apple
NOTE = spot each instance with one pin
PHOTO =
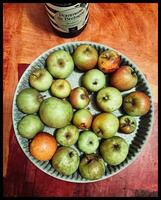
(108, 61)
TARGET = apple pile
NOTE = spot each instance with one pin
(76, 129)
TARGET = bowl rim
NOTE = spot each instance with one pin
(137, 154)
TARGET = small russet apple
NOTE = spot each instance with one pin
(40, 79)
(66, 160)
(105, 125)
(67, 135)
(60, 64)
(43, 146)
(109, 99)
(108, 61)
(94, 80)
(82, 119)
(92, 167)
(55, 113)
(136, 103)
(114, 150)
(79, 97)
(88, 142)
(28, 100)
(124, 78)
(127, 124)
(29, 126)
(85, 57)
(60, 88)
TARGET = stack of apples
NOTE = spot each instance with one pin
(80, 141)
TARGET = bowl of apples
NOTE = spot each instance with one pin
(82, 112)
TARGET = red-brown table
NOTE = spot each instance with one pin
(130, 28)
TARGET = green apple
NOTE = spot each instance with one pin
(109, 99)
(94, 80)
(66, 160)
(60, 64)
(82, 119)
(92, 167)
(79, 97)
(85, 57)
(60, 88)
(88, 142)
(67, 135)
(114, 150)
(105, 125)
(55, 113)
(40, 79)
(29, 126)
(127, 124)
(28, 100)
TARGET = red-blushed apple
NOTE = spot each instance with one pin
(136, 103)
(105, 125)
(108, 61)
(124, 78)
(79, 97)
(82, 119)
(85, 57)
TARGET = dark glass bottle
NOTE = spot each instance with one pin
(68, 19)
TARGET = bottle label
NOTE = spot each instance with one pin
(68, 19)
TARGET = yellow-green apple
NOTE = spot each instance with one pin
(94, 80)
(109, 99)
(114, 150)
(105, 125)
(40, 79)
(60, 64)
(60, 88)
(85, 57)
(28, 100)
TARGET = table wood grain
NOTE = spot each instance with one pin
(132, 29)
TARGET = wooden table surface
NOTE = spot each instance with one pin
(130, 28)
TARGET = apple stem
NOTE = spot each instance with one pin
(35, 75)
(83, 96)
(105, 98)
